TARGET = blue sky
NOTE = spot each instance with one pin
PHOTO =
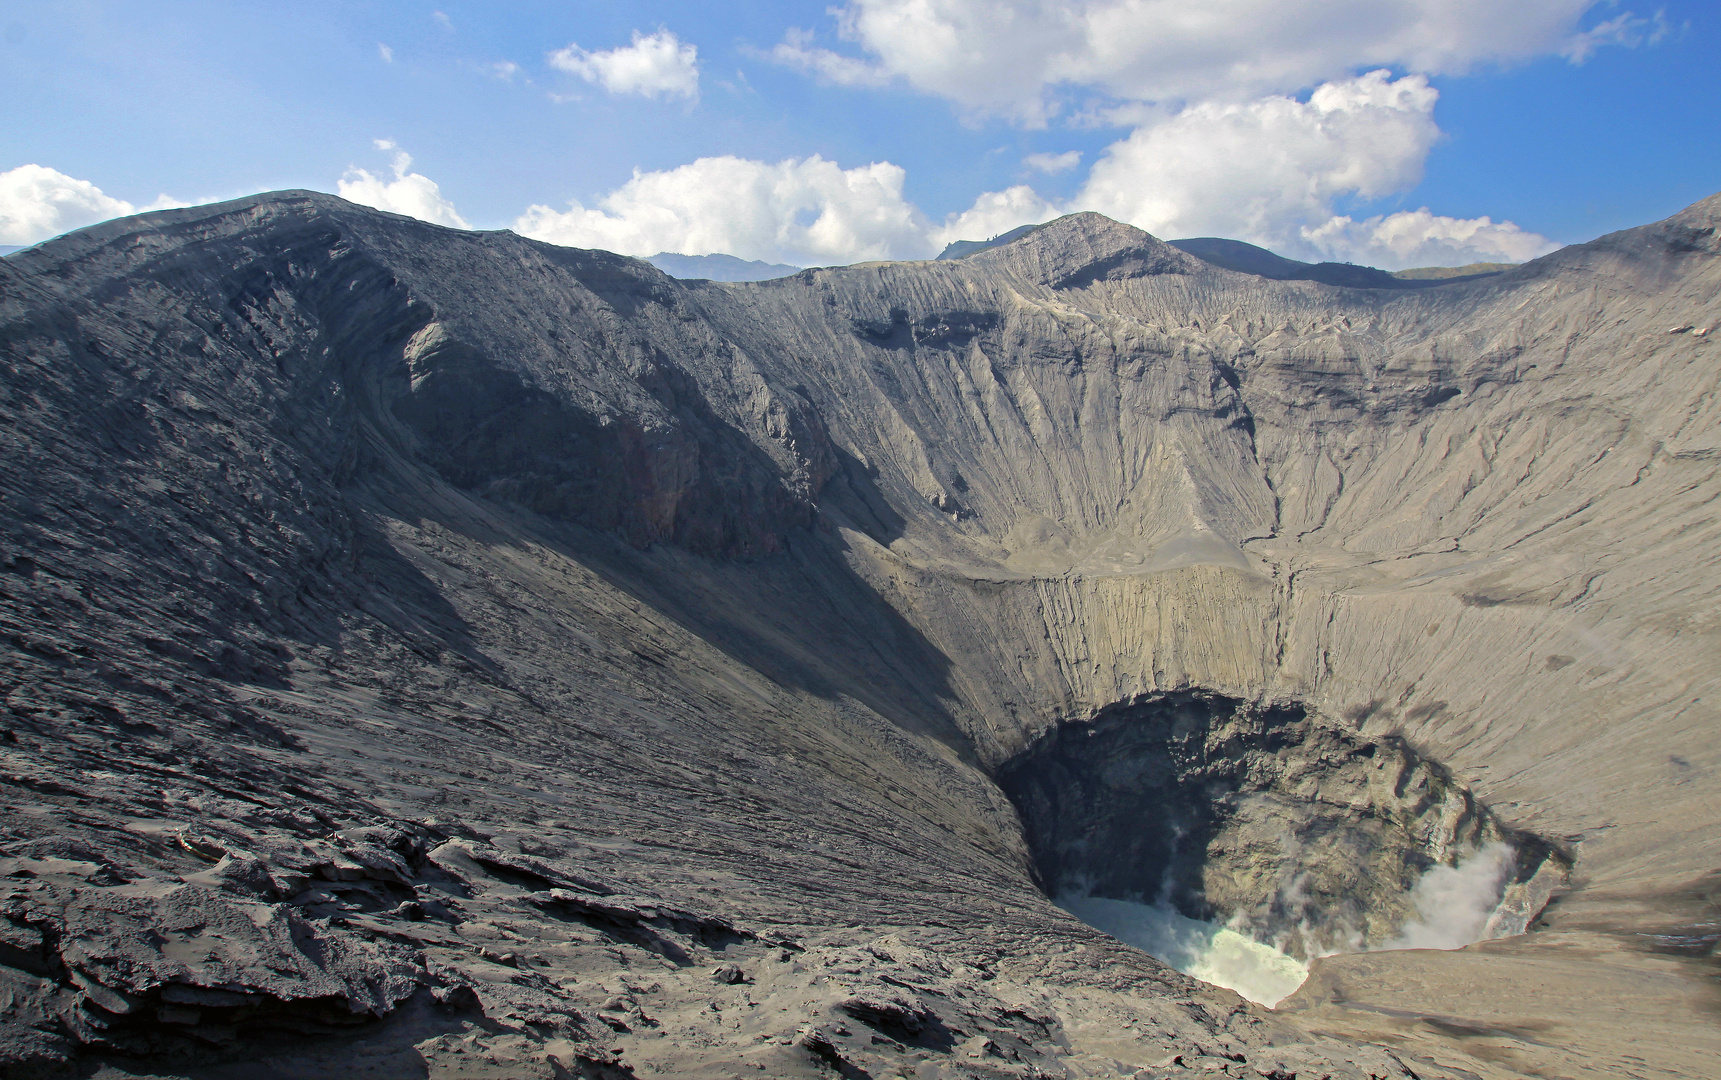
(812, 133)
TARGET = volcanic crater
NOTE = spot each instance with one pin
(440, 653)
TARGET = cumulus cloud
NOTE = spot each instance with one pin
(655, 65)
(37, 202)
(1224, 140)
(1227, 137)
(1011, 56)
(1363, 137)
(805, 211)
(1420, 238)
(1053, 163)
(1253, 170)
(1276, 170)
(997, 212)
(1271, 172)
(409, 193)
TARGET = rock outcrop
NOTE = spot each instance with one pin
(444, 653)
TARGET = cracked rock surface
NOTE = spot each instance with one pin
(435, 653)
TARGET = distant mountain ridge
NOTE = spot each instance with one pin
(719, 267)
(961, 249)
(1479, 269)
(1250, 259)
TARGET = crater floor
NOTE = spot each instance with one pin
(440, 653)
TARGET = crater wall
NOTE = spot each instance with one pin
(708, 627)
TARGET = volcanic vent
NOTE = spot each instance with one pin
(1292, 832)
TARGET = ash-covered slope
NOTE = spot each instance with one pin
(457, 648)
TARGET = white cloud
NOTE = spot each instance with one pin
(796, 50)
(409, 193)
(1363, 137)
(385, 52)
(1624, 29)
(503, 69)
(1271, 172)
(442, 20)
(805, 211)
(997, 212)
(1012, 57)
(38, 202)
(1254, 171)
(654, 65)
(1225, 141)
(1053, 163)
(1420, 238)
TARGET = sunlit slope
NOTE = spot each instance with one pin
(1478, 514)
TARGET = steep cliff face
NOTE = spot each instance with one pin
(511, 636)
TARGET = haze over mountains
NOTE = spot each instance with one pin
(432, 652)
(1229, 254)
(719, 267)
(1250, 259)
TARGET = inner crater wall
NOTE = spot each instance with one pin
(1265, 815)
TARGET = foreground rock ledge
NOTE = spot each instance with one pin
(441, 653)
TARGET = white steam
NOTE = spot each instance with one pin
(1205, 950)
(1455, 906)
(1454, 903)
